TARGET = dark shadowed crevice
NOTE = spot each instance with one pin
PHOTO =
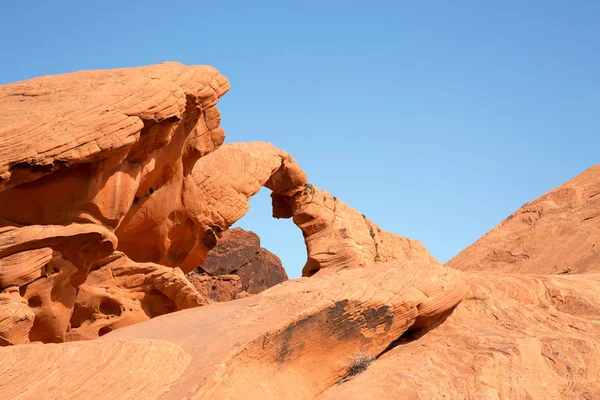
(414, 334)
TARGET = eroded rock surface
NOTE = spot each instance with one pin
(337, 236)
(289, 342)
(217, 288)
(89, 160)
(120, 292)
(115, 184)
(512, 337)
(121, 181)
(555, 234)
(91, 370)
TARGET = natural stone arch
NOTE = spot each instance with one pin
(336, 235)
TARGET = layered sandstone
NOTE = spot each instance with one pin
(82, 156)
(289, 342)
(556, 233)
(115, 184)
(336, 235)
(512, 337)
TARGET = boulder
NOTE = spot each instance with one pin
(239, 253)
(217, 288)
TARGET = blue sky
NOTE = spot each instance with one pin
(436, 119)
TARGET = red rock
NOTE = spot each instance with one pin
(130, 189)
(555, 234)
(120, 292)
(236, 248)
(262, 272)
(512, 337)
(291, 341)
(83, 158)
(123, 171)
(336, 235)
(339, 237)
(217, 288)
(239, 253)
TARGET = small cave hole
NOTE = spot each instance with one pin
(150, 190)
(34, 301)
(104, 330)
(110, 307)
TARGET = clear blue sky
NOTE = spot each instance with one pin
(436, 119)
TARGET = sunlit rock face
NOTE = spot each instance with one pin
(557, 233)
(115, 184)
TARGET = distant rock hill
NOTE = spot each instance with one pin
(557, 233)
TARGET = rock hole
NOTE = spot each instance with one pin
(34, 301)
(110, 307)
(104, 330)
(150, 190)
(413, 334)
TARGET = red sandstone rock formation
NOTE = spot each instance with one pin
(336, 235)
(217, 288)
(289, 342)
(512, 337)
(555, 234)
(239, 253)
(141, 191)
(82, 155)
(339, 237)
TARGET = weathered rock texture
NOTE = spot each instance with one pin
(512, 337)
(91, 370)
(88, 161)
(217, 288)
(289, 342)
(122, 292)
(339, 237)
(555, 234)
(239, 253)
(114, 185)
(336, 235)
